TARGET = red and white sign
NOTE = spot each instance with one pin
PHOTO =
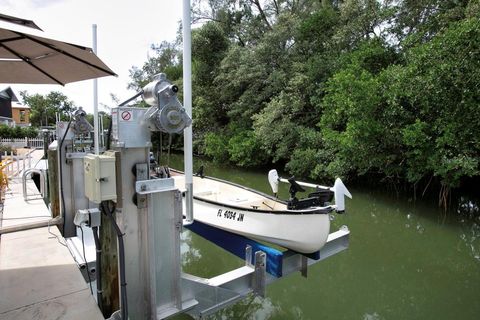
(126, 116)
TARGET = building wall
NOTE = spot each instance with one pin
(21, 116)
(5, 108)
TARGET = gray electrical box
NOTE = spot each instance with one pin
(130, 128)
(100, 179)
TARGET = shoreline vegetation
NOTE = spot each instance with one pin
(384, 91)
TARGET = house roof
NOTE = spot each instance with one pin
(8, 94)
(19, 106)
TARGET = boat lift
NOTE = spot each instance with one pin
(150, 216)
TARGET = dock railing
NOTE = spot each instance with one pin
(12, 165)
(43, 184)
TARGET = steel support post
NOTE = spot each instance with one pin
(133, 221)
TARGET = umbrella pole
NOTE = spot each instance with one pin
(95, 96)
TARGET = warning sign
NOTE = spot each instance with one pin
(126, 116)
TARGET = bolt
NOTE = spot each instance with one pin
(143, 187)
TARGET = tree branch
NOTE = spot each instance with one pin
(262, 13)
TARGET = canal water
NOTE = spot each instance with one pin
(406, 260)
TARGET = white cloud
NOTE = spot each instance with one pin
(125, 31)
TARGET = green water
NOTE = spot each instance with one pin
(406, 260)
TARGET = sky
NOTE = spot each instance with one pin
(125, 31)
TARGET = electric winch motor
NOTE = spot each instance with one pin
(81, 126)
(167, 113)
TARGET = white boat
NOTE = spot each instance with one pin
(253, 214)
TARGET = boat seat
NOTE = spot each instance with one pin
(207, 193)
(247, 203)
(204, 193)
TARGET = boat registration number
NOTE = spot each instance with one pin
(229, 214)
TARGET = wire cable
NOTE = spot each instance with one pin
(86, 263)
(54, 235)
(109, 135)
(60, 172)
(98, 268)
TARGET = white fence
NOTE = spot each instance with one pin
(35, 143)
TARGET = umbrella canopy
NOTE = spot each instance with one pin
(19, 21)
(26, 58)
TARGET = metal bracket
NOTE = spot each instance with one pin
(75, 155)
(141, 170)
(248, 256)
(154, 185)
(304, 267)
(259, 277)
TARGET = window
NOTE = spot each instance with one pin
(22, 115)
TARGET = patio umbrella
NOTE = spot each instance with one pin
(27, 58)
(20, 21)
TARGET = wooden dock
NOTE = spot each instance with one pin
(38, 277)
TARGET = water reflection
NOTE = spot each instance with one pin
(250, 308)
(372, 316)
(471, 239)
(257, 308)
(189, 253)
(468, 208)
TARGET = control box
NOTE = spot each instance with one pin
(100, 184)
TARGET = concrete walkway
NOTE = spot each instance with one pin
(38, 277)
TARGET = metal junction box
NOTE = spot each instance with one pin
(100, 182)
(130, 128)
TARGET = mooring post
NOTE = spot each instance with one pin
(46, 139)
(109, 270)
(109, 254)
(53, 183)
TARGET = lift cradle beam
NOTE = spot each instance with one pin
(221, 291)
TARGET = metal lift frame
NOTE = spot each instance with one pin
(173, 292)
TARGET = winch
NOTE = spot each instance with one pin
(81, 126)
(167, 113)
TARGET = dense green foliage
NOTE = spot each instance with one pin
(17, 132)
(44, 107)
(4, 148)
(336, 88)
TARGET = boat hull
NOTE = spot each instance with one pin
(305, 233)
(255, 215)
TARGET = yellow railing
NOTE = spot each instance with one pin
(4, 178)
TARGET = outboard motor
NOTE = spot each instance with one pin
(320, 197)
(294, 188)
